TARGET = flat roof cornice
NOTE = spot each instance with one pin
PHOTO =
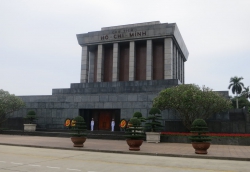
(134, 32)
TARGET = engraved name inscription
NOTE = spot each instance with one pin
(125, 33)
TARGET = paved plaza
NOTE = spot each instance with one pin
(226, 152)
(29, 159)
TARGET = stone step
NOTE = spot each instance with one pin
(117, 87)
(66, 133)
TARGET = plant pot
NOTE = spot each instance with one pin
(153, 137)
(29, 127)
(139, 129)
(134, 145)
(78, 141)
(201, 147)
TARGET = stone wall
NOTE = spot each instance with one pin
(215, 140)
(129, 97)
(234, 121)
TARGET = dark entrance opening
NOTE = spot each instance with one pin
(158, 59)
(108, 62)
(102, 118)
(140, 60)
(124, 62)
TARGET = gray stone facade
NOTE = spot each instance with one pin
(233, 121)
(123, 98)
(175, 50)
(129, 32)
(127, 96)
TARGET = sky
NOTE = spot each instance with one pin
(39, 50)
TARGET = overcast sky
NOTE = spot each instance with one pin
(39, 49)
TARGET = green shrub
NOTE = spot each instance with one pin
(199, 129)
(135, 121)
(31, 116)
(79, 127)
(139, 116)
(9, 103)
(154, 111)
(154, 118)
(135, 131)
(191, 102)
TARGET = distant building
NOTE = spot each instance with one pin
(123, 68)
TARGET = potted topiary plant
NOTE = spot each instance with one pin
(200, 140)
(139, 116)
(153, 125)
(134, 135)
(31, 116)
(78, 128)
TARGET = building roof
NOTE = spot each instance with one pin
(133, 32)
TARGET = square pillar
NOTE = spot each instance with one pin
(180, 67)
(115, 71)
(174, 63)
(177, 63)
(91, 66)
(84, 65)
(183, 72)
(99, 63)
(168, 58)
(131, 61)
(149, 62)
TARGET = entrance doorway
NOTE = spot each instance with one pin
(102, 118)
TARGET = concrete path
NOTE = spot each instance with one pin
(228, 152)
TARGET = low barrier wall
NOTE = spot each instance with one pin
(234, 121)
(215, 140)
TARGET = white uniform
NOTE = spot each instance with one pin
(112, 125)
(92, 124)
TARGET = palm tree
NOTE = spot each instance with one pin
(236, 87)
(246, 92)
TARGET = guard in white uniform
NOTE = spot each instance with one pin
(92, 124)
(112, 125)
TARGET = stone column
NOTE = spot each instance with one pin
(149, 62)
(183, 72)
(180, 71)
(84, 65)
(177, 63)
(168, 58)
(100, 63)
(180, 67)
(115, 71)
(131, 61)
(91, 66)
(174, 62)
(180, 59)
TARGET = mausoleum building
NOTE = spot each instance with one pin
(123, 68)
(136, 52)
